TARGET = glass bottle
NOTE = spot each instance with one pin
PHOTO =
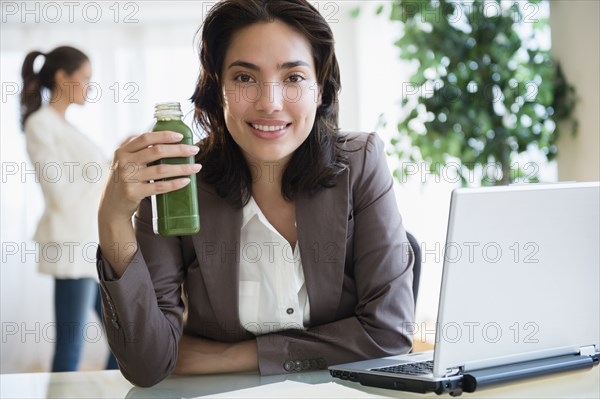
(176, 212)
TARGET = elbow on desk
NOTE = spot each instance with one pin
(146, 356)
(145, 377)
(147, 369)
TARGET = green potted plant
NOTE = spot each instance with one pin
(483, 93)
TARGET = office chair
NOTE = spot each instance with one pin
(414, 244)
(417, 266)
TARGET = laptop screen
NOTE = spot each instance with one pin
(521, 273)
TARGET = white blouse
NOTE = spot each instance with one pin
(272, 293)
(72, 172)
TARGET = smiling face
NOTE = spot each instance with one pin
(270, 91)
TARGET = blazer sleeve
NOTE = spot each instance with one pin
(143, 310)
(382, 265)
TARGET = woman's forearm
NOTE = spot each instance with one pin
(202, 356)
(117, 243)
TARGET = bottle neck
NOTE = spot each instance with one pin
(167, 117)
(167, 111)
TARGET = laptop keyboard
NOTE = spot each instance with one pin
(418, 368)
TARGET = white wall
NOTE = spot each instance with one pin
(576, 44)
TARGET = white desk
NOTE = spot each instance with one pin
(110, 384)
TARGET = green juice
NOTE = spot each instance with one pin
(176, 212)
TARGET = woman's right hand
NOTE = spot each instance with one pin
(130, 182)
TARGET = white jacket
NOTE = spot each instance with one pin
(72, 172)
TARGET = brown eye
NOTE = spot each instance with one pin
(296, 78)
(243, 78)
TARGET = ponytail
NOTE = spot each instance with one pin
(66, 58)
(31, 96)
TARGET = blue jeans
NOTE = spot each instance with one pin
(73, 299)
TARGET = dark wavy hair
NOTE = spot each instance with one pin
(66, 58)
(319, 159)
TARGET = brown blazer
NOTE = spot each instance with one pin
(357, 265)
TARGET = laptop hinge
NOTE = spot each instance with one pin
(453, 371)
(589, 350)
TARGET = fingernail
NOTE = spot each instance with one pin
(194, 149)
(177, 136)
(196, 167)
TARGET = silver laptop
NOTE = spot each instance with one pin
(519, 294)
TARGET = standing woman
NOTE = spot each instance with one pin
(71, 170)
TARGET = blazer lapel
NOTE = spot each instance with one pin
(322, 221)
(217, 249)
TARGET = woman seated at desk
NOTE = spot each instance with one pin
(332, 279)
